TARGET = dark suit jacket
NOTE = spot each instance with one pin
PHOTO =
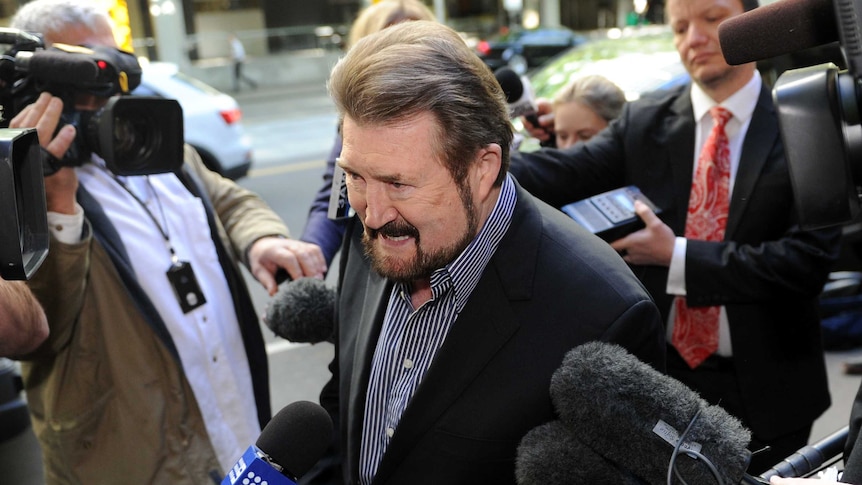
(767, 272)
(549, 287)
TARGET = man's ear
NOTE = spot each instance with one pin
(486, 169)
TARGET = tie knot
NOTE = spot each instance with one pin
(720, 116)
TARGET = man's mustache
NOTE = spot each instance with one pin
(393, 229)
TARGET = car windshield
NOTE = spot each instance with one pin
(637, 62)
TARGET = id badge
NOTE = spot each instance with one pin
(185, 286)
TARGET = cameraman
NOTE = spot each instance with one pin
(135, 384)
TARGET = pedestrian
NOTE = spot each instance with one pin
(237, 57)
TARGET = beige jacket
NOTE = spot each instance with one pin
(108, 397)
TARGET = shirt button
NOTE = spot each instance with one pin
(390, 432)
(408, 364)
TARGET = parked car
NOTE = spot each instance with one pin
(638, 60)
(211, 119)
(524, 49)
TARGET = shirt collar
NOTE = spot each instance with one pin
(464, 272)
(741, 103)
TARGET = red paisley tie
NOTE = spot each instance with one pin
(695, 330)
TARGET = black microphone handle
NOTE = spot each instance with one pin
(811, 457)
(750, 480)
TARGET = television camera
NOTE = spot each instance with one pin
(818, 105)
(134, 135)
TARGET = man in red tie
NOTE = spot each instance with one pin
(736, 279)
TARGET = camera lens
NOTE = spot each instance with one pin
(138, 135)
(135, 140)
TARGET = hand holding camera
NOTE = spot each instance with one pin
(45, 115)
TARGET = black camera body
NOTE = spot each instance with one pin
(818, 106)
(134, 135)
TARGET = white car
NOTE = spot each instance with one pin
(211, 118)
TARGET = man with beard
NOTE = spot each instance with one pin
(459, 293)
(735, 277)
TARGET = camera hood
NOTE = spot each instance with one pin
(23, 213)
(819, 120)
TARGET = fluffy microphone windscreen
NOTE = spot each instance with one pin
(779, 28)
(297, 436)
(302, 311)
(511, 83)
(551, 455)
(632, 414)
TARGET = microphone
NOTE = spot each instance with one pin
(519, 94)
(644, 422)
(810, 458)
(302, 311)
(288, 446)
(549, 455)
(779, 28)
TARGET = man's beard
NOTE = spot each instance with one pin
(424, 263)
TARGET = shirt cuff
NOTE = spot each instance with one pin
(676, 271)
(67, 228)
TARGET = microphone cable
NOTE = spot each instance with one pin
(672, 470)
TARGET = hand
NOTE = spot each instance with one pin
(652, 245)
(298, 258)
(545, 114)
(44, 115)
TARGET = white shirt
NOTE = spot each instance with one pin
(741, 104)
(207, 338)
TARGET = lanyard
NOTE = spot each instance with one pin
(162, 230)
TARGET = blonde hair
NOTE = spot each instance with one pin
(598, 93)
(380, 15)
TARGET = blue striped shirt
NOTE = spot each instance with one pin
(410, 338)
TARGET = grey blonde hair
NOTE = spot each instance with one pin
(51, 17)
(596, 92)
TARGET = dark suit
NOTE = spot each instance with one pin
(549, 287)
(767, 272)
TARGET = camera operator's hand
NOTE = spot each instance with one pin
(545, 115)
(298, 258)
(44, 115)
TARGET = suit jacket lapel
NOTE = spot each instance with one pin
(759, 140)
(677, 137)
(478, 334)
(376, 298)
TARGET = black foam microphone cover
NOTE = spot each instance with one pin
(60, 66)
(511, 83)
(632, 415)
(779, 28)
(551, 455)
(302, 311)
(297, 437)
